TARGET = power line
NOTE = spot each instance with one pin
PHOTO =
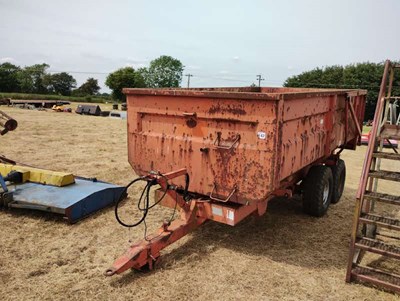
(309, 84)
(223, 78)
(61, 71)
(81, 72)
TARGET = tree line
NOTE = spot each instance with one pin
(164, 71)
(36, 79)
(354, 76)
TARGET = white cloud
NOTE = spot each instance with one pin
(224, 72)
(236, 58)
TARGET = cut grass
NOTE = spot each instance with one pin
(92, 99)
(283, 255)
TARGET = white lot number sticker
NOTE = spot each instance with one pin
(230, 215)
(261, 135)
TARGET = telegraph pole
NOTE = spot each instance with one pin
(188, 81)
(259, 78)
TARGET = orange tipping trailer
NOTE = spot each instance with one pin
(222, 153)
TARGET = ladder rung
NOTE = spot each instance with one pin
(390, 131)
(385, 174)
(386, 222)
(378, 247)
(391, 156)
(382, 197)
(390, 137)
(377, 277)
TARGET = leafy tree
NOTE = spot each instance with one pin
(124, 78)
(60, 83)
(90, 87)
(9, 78)
(144, 74)
(354, 76)
(33, 79)
(25, 81)
(164, 71)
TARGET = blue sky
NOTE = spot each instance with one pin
(222, 43)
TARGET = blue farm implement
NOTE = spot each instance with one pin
(57, 192)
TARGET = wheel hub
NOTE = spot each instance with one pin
(325, 194)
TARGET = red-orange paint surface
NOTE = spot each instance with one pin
(239, 143)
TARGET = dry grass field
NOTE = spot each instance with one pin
(284, 255)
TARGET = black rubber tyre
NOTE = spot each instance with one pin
(339, 178)
(317, 190)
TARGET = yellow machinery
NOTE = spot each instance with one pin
(36, 175)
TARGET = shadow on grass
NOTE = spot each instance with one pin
(34, 214)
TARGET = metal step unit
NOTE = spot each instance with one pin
(382, 197)
(376, 277)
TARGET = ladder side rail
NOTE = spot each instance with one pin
(374, 131)
(376, 163)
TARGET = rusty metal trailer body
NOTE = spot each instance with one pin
(236, 142)
(239, 146)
